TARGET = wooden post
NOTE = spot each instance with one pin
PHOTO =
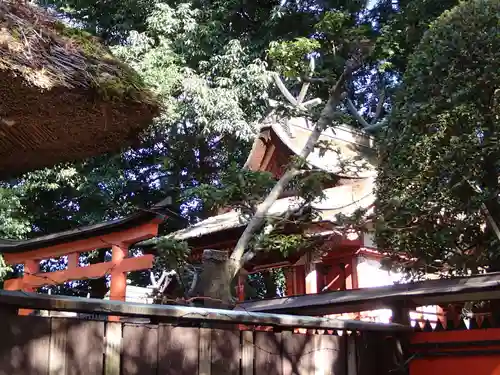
(352, 358)
(205, 354)
(400, 314)
(58, 346)
(241, 287)
(290, 281)
(118, 284)
(113, 348)
(311, 276)
(247, 353)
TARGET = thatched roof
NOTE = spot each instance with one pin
(63, 96)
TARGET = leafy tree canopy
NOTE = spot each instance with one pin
(438, 188)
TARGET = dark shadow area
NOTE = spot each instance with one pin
(226, 352)
(34, 345)
(178, 350)
(140, 349)
(377, 354)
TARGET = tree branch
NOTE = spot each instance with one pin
(325, 119)
(356, 114)
(283, 89)
(366, 126)
(312, 103)
(380, 106)
(305, 85)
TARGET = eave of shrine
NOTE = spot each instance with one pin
(344, 199)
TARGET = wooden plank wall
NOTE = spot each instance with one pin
(65, 346)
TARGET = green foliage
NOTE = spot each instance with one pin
(333, 22)
(110, 20)
(289, 57)
(211, 96)
(237, 188)
(443, 143)
(171, 254)
(13, 224)
(402, 30)
(286, 244)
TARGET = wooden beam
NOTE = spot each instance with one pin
(127, 237)
(186, 314)
(93, 271)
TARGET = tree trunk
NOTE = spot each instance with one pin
(216, 279)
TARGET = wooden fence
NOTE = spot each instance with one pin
(31, 345)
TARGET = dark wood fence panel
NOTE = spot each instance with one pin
(24, 345)
(268, 358)
(65, 346)
(178, 350)
(226, 352)
(84, 347)
(298, 354)
(140, 349)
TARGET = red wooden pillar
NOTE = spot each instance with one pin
(31, 267)
(118, 283)
(290, 281)
(241, 287)
(300, 280)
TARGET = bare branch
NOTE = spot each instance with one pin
(315, 79)
(284, 90)
(366, 126)
(152, 278)
(303, 92)
(377, 125)
(192, 288)
(380, 106)
(305, 85)
(356, 114)
(312, 103)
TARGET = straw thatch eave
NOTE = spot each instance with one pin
(63, 96)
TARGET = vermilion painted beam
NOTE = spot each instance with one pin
(125, 237)
(93, 271)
